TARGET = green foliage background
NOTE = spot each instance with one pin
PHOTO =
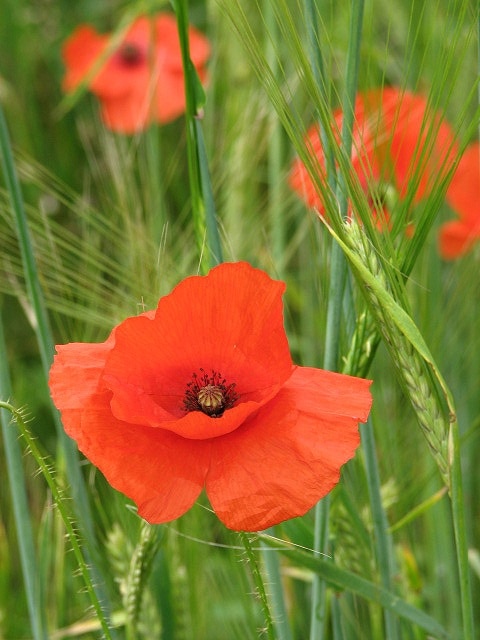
(111, 223)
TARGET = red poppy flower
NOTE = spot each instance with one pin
(398, 141)
(202, 393)
(458, 236)
(142, 81)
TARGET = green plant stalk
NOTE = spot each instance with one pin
(259, 584)
(203, 211)
(45, 342)
(318, 71)
(336, 295)
(383, 544)
(419, 510)
(460, 532)
(275, 151)
(18, 492)
(60, 503)
(276, 216)
(139, 571)
(213, 234)
(411, 356)
(478, 57)
(275, 590)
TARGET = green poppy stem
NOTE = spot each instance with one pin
(338, 276)
(203, 209)
(259, 584)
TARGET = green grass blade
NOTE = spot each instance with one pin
(275, 590)
(382, 541)
(18, 491)
(439, 423)
(347, 581)
(68, 520)
(338, 275)
(45, 338)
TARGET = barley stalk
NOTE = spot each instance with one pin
(411, 366)
(140, 565)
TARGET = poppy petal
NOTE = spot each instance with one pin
(456, 239)
(162, 473)
(204, 324)
(288, 455)
(420, 142)
(80, 51)
(127, 114)
(142, 81)
(463, 194)
(397, 139)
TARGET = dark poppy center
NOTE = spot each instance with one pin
(130, 54)
(210, 394)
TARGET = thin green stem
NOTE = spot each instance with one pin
(478, 56)
(213, 234)
(276, 596)
(318, 69)
(275, 151)
(21, 514)
(259, 584)
(46, 343)
(383, 544)
(458, 516)
(336, 295)
(61, 503)
(203, 210)
(276, 197)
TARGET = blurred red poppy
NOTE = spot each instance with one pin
(202, 393)
(142, 81)
(458, 236)
(399, 142)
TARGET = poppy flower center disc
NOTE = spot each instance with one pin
(210, 394)
(130, 54)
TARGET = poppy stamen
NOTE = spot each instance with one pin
(209, 393)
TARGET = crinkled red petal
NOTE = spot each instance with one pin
(161, 472)
(288, 455)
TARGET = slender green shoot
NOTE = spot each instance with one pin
(18, 491)
(203, 211)
(338, 276)
(44, 333)
(259, 584)
(61, 503)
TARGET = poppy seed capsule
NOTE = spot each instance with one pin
(210, 394)
(211, 400)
